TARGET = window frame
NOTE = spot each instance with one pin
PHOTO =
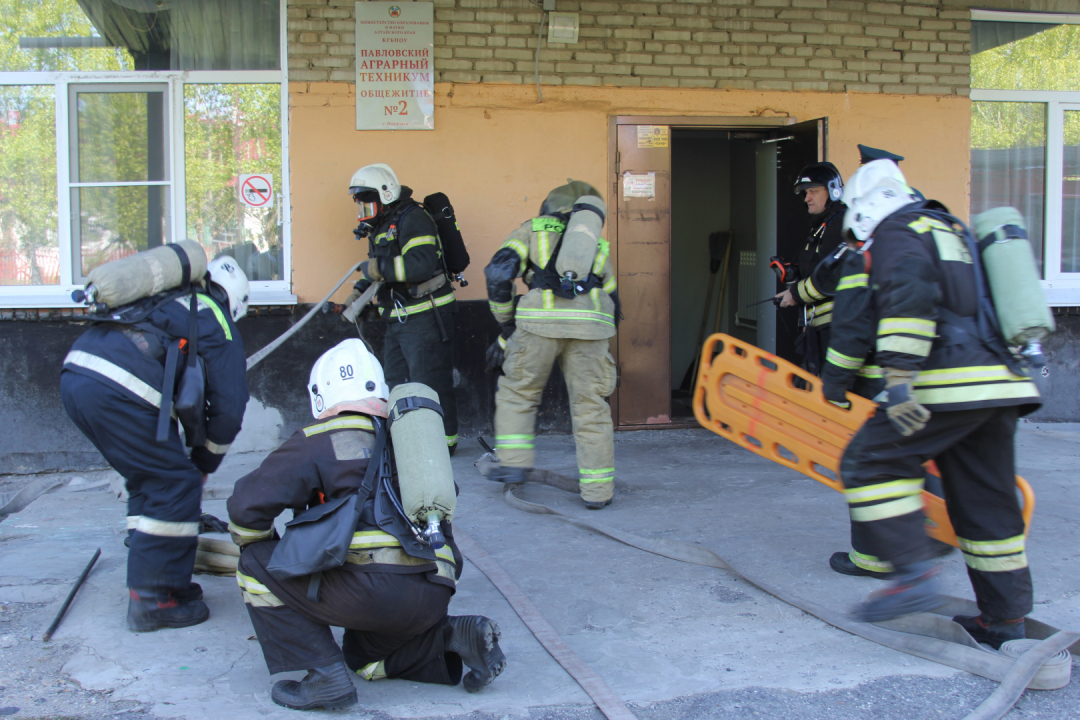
(1062, 289)
(263, 292)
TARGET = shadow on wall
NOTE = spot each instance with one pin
(37, 436)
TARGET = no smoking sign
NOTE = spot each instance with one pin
(257, 190)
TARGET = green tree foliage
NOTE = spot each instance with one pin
(231, 130)
(52, 18)
(1049, 60)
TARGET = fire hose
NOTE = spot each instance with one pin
(1038, 663)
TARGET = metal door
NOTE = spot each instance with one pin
(796, 147)
(643, 188)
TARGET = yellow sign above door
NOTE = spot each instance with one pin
(652, 136)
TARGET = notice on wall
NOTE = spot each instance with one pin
(638, 185)
(652, 136)
(256, 190)
(395, 75)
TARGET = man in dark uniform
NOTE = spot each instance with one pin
(392, 604)
(112, 385)
(953, 393)
(416, 298)
(821, 187)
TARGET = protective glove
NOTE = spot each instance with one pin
(496, 353)
(834, 392)
(898, 398)
(353, 297)
(370, 269)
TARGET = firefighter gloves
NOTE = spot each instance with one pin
(904, 411)
(370, 269)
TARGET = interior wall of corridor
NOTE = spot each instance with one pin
(496, 151)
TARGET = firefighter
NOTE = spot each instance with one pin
(111, 385)
(569, 316)
(416, 299)
(915, 295)
(391, 604)
(821, 188)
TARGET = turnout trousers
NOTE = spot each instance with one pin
(882, 475)
(590, 378)
(414, 351)
(395, 624)
(164, 487)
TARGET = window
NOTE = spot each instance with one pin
(125, 124)
(1025, 134)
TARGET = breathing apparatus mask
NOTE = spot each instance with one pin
(368, 209)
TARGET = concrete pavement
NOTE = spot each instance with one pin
(673, 640)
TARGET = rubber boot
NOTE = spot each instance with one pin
(508, 475)
(842, 563)
(915, 590)
(150, 609)
(475, 639)
(991, 632)
(191, 593)
(597, 504)
(329, 687)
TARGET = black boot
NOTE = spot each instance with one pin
(990, 631)
(329, 687)
(914, 589)
(150, 609)
(191, 593)
(842, 563)
(476, 640)
(508, 475)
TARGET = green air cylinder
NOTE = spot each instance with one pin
(425, 476)
(1014, 280)
(144, 274)
(581, 238)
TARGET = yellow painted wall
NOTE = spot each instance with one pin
(496, 153)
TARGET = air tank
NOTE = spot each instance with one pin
(141, 275)
(1013, 277)
(581, 238)
(425, 476)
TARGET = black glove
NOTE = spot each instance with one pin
(834, 392)
(496, 353)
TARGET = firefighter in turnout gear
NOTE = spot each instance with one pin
(915, 298)
(821, 187)
(568, 315)
(391, 603)
(416, 299)
(112, 385)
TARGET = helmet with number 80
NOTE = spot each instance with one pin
(347, 377)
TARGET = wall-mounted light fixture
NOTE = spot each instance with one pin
(563, 27)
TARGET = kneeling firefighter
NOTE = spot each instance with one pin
(391, 588)
(568, 315)
(118, 386)
(416, 298)
(953, 393)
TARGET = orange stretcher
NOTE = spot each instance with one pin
(748, 396)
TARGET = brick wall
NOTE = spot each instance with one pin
(910, 47)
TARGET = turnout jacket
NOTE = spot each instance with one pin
(908, 299)
(588, 316)
(815, 290)
(406, 247)
(133, 361)
(324, 461)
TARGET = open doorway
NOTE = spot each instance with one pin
(703, 204)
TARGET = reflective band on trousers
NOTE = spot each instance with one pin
(255, 593)
(597, 476)
(893, 508)
(164, 528)
(114, 372)
(514, 442)
(996, 564)
(869, 562)
(1005, 546)
(884, 491)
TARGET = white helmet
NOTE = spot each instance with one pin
(224, 272)
(379, 178)
(873, 193)
(347, 377)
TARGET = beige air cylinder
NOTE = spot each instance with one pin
(581, 238)
(425, 476)
(144, 274)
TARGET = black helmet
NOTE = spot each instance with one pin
(822, 174)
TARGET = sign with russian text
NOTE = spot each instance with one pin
(395, 74)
